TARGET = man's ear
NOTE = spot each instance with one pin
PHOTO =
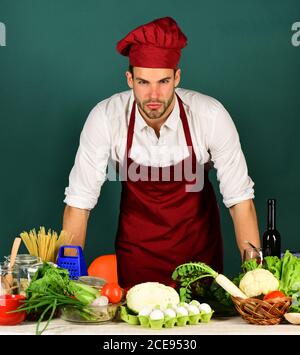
(129, 79)
(177, 77)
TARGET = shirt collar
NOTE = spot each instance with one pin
(171, 122)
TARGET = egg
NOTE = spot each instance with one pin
(195, 303)
(145, 311)
(182, 311)
(174, 308)
(183, 304)
(205, 308)
(193, 309)
(170, 312)
(156, 314)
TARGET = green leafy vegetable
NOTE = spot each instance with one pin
(84, 293)
(290, 274)
(188, 274)
(295, 306)
(219, 299)
(47, 278)
(250, 265)
(51, 288)
(274, 265)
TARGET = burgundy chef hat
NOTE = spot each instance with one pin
(156, 44)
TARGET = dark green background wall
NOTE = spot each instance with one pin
(60, 60)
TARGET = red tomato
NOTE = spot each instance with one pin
(274, 294)
(112, 291)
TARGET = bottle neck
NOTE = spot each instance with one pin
(271, 215)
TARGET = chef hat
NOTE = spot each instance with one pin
(156, 44)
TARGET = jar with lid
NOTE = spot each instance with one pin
(9, 280)
(25, 266)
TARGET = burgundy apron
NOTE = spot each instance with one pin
(161, 225)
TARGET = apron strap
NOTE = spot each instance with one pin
(130, 130)
(186, 129)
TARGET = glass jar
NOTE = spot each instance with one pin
(24, 259)
(25, 267)
(9, 280)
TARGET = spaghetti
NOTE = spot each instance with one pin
(45, 245)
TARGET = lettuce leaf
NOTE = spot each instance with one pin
(295, 306)
(290, 274)
(274, 265)
(250, 265)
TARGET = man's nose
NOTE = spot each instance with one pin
(154, 94)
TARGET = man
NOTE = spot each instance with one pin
(158, 128)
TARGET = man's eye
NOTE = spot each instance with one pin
(166, 81)
(142, 82)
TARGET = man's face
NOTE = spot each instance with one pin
(154, 89)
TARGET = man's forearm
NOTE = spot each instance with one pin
(245, 224)
(75, 223)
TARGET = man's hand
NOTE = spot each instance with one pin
(75, 223)
(245, 224)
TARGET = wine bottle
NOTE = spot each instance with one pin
(271, 237)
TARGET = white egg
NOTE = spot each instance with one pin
(170, 312)
(182, 311)
(156, 314)
(195, 303)
(205, 308)
(145, 311)
(183, 304)
(194, 309)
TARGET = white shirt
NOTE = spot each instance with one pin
(104, 135)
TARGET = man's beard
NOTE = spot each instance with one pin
(155, 114)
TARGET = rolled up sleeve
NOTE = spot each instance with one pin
(89, 170)
(229, 160)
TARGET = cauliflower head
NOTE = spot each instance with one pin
(257, 282)
(149, 295)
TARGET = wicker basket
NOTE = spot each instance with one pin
(256, 311)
